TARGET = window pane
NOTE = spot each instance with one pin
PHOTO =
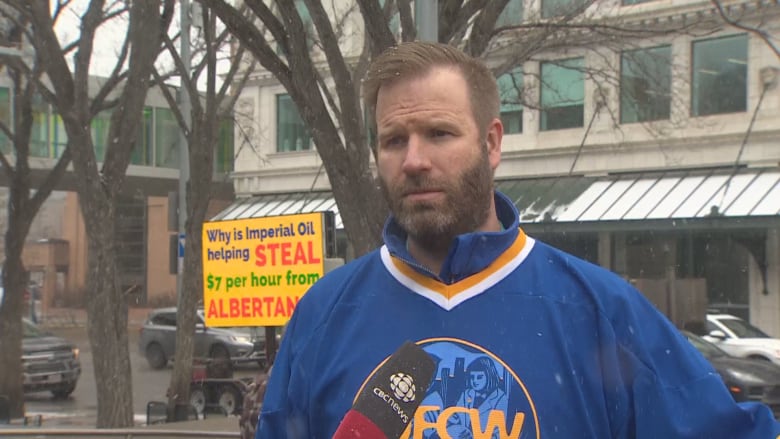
(395, 20)
(166, 139)
(645, 84)
(39, 138)
(225, 147)
(142, 151)
(59, 136)
(100, 125)
(555, 8)
(308, 24)
(512, 121)
(512, 14)
(719, 76)
(510, 90)
(562, 94)
(5, 117)
(291, 133)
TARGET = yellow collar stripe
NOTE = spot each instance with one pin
(472, 284)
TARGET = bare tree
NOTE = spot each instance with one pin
(24, 202)
(333, 113)
(100, 187)
(201, 129)
(334, 120)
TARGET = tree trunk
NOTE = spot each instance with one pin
(200, 142)
(11, 312)
(107, 318)
(15, 279)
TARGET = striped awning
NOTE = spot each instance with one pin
(648, 196)
(723, 193)
(260, 206)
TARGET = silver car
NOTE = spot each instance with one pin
(235, 345)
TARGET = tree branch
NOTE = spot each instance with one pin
(764, 35)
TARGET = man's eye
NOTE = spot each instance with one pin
(394, 141)
(439, 133)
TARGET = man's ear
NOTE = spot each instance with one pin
(494, 135)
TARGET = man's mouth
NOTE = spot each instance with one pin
(423, 194)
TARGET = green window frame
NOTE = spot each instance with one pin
(291, 132)
(225, 147)
(99, 126)
(510, 93)
(39, 137)
(59, 138)
(645, 84)
(166, 139)
(719, 75)
(562, 94)
(143, 148)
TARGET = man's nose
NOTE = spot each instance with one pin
(416, 159)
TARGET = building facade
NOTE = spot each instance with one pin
(657, 157)
(147, 234)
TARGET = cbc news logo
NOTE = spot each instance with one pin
(402, 386)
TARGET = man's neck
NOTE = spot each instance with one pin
(432, 257)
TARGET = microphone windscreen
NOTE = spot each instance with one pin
(356, 425)
(391, 396)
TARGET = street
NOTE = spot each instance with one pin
(80, 409)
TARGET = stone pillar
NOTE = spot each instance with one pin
(605, 250)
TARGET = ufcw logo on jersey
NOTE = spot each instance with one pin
(447, 423)
(474, 394)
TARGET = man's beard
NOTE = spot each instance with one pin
(465, 208)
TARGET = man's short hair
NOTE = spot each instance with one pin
(414, 59)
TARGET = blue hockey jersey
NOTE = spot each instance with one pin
(530, 342)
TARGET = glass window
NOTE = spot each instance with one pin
(645, 84)
(512, 15)
(166, 139)
(719, 76)
(100, 125)
(39, 137)
(291, 132)
(59, 136)
(5, 117)
(556, 8)
(395, 20)
(510, 90)
(562, 94)
(308, 24)
(225, 147)
(142, 150)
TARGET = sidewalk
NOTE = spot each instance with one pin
(77, 317)
(211, 427)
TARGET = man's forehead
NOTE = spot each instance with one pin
(405, 77)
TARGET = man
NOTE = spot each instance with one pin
(580, 353)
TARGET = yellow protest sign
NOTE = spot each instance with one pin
(255, 270)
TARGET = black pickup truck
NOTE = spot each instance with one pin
(50, 363)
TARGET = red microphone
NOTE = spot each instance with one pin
(357, 425)
(386, 404)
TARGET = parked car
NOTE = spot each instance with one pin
(746, 379)
(224, 345)
(741, 339)
(49, 363)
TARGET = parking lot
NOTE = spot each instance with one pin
(80, 409)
